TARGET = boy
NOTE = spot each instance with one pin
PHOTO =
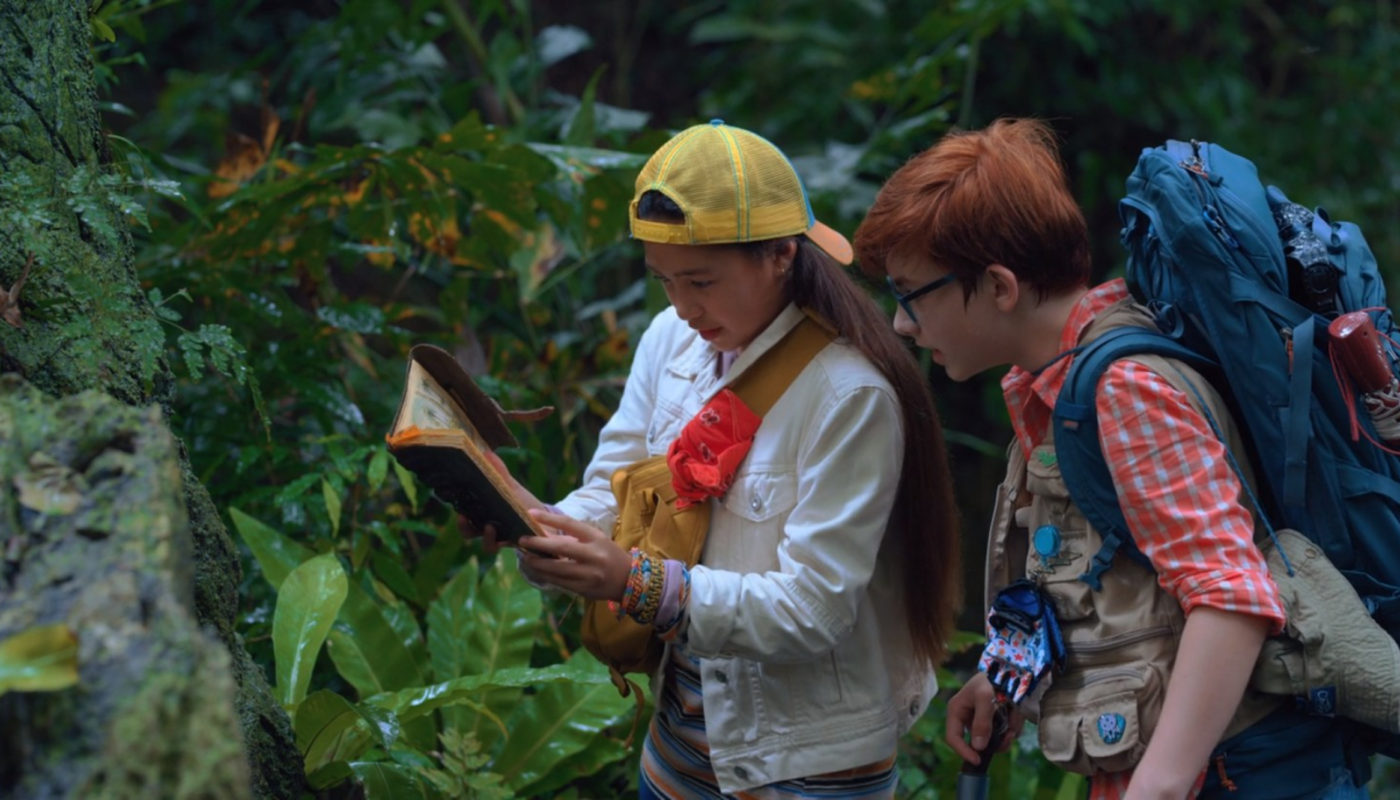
(988, 256)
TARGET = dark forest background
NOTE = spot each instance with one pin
(318, 185)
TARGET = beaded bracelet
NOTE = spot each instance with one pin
(641, 597)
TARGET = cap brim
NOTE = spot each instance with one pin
(832, 242)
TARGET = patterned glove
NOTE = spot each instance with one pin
(1023, 641)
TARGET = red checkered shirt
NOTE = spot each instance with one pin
(1179, 494)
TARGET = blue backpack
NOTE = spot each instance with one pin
(1243, 285)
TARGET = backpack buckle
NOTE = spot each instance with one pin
(1194, 163)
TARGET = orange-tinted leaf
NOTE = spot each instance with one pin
(382, 254)
(614, 349)
(243, 158)
(546, 251)
(355, 193)
(436, 236)
(270, 124)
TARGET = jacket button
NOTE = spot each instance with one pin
(756, 503)
(742, 773)
(721, 677)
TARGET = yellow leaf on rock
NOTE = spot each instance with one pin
(50, 487)
(43, 658)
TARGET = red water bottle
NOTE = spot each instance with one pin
(1358, 346)
(1358, 349)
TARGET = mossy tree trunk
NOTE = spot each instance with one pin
(102, 525)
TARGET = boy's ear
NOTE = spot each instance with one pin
(1004, 286)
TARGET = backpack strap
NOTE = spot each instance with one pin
(1297, 425)
(768, 378)
(1077, 448)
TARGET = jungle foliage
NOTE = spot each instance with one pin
(318, 185)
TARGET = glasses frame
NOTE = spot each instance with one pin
(906, 300)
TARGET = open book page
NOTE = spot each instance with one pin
(433, 436)
(428, 408)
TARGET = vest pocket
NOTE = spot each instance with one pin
(1100, 720)
(1060, 548)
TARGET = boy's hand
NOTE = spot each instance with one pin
(577, 557)
(970, 712)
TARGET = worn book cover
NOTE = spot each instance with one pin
(443, 428)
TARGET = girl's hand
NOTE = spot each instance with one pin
(585, 560)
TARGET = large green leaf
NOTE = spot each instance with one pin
(275, 553)
(386, 781)
(41, 659)
(560, 721)
(329, 729)
(354, 663)
(408, 704)
(449, 643)
(431, 573)
(498, 628)
(449, 625)
(400, 616)
(601, 751)
(307, 604)
(368, 651)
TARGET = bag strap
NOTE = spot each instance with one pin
(768, 378)
(1082, 463)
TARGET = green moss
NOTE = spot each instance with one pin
(93, 356)
(173, 738)
(165, 700)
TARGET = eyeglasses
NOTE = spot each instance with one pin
(906, 300)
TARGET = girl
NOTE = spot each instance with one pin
(803, 643)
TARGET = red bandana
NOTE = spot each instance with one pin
(705, 456)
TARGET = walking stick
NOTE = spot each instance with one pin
(972, 778)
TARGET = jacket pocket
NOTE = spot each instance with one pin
(795, 695)
(665, 426)
(762, 496)
(1100, 720)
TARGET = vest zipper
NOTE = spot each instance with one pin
(1121, 640)
(1099, 676)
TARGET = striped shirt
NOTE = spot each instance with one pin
(676, 754)
(1179, 493)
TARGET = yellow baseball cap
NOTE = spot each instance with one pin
(734, 186)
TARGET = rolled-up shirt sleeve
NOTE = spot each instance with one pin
(1181, 497)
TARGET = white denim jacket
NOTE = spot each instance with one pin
(795, 613)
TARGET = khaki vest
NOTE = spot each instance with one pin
(1098, 713)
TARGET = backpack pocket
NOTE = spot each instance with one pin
(1334, 658)
(1100, 719)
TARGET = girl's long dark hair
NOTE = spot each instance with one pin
(924, 517)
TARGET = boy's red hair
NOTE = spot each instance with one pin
(976, 198)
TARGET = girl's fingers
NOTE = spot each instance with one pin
(579, 530)
(558, 547)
